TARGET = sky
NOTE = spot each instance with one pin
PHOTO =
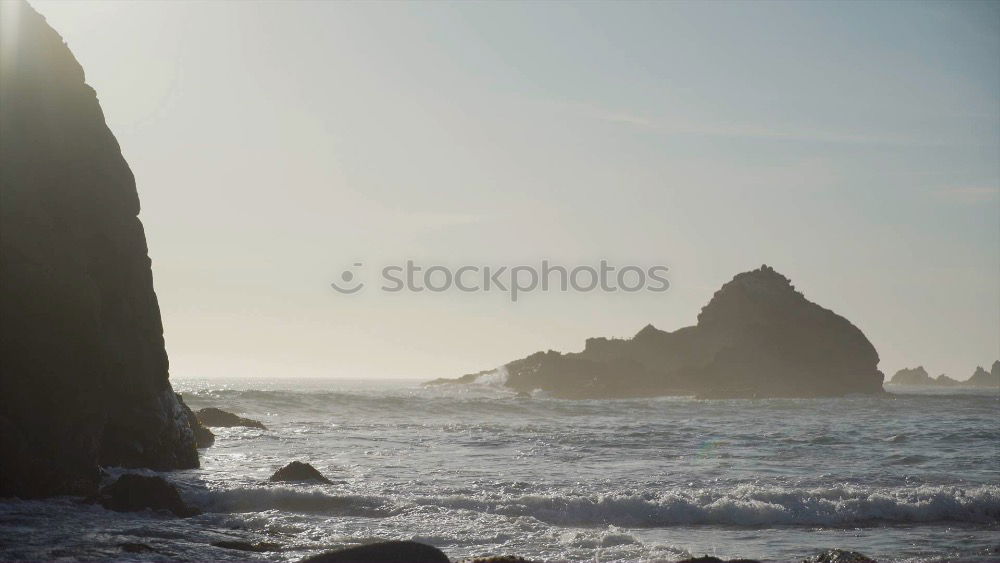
(854, 147)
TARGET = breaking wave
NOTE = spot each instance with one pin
(748, 505)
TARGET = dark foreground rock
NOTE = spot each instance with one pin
(131, 493)
(217, 417)
(384, 552)
(297, 471)
(203, 437)
(258, 547)
(84, 378)
(757, 337)
(710, 559)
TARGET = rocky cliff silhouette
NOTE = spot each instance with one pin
(757, 337)
(84, 369)
(919, 376)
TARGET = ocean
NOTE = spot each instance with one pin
(477, 470)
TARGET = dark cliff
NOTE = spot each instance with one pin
(757, 337)
(83, 380)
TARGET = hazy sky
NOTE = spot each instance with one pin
(852, 146)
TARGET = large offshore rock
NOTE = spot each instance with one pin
(84, 369)
(757, 337)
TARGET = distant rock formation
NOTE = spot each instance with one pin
(912, 376)
(213, 417)
(757, 337)
(983, 378)
(84, 366)
(919, 376)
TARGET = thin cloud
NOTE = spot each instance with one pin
(970, 194)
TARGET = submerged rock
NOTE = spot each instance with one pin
(238, 545)
(839, 556)
(203, 437)
(710, 559)
(757, 337)
(132, 547)
(383, 552)
(84, 366)
(217, 417)
(298, 471)
(131, 493)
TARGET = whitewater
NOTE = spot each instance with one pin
(477, 470)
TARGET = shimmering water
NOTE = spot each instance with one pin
(911, 476)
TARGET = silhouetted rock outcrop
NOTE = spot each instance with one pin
(757, 337)
(217, 417)
(84, 366)
(298, 471)
(132, 493)
(383, 552)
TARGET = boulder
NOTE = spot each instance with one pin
(383, 552)
(757, 337)
(85, 378)
(131, 493)
(297, 471)
(217, 417)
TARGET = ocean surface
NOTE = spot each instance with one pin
(476, 470)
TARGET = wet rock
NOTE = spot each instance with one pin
(298, 471)
(383, 552)
(203, 437)
(839, 556)
(217, 417)
(132, 493)
(259, 547)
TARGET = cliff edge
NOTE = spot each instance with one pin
(83, 380)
